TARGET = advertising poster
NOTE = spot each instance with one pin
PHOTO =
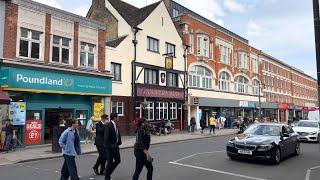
(33, 132)
(98, 110)
(17, 113)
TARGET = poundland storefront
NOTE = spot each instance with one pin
(43, 97)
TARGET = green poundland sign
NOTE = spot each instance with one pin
(51, 82)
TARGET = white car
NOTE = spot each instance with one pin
(308, 130)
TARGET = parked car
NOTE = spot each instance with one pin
(266, 141)
(308, 130)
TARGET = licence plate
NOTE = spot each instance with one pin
(245, 152)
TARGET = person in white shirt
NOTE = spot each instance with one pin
(89, 128)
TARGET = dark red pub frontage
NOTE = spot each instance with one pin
(156, 103)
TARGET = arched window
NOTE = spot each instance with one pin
(200, 77)
(224, 81)
(241, 84)
(255, 87)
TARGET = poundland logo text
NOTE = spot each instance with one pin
(43, 80)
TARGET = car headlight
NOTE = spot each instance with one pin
(230, 144)
(313, 133)
(265, 147)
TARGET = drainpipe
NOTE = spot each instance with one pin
(185, 92)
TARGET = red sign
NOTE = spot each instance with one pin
(309, 108)
(283, 106)
(33, 132)
(159, 92)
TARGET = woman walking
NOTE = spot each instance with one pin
(141, 148)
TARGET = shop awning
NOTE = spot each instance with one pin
(4, 99)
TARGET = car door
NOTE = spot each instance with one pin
(292, 139)
(286, 142)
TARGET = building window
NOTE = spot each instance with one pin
(255, 87)
(153, 44)
(241, 84)
(211, 51)
(173, 111)
(117, 107)
(172, 79)
(224, 81)
(116, 71)
(150, 76)
(60, 50)
(162, 110)
(235, 58)
(224, 55)
(87, 55)
(200, 77)
(175, 13)
(150, 111)
(191, 36)
(264, 65)
(255, 65)
(30, 44)
(199, 46)
(243, 61)
(171, 49)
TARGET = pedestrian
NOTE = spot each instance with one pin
(112, 139)
(141, 150)
(212, 124)
(256, 121)
(62, 123)
(99, 142)
(89, 128)
(10, 134)
(162, 127)
(169, 126)
(202, 124)
(69, 141)
(193, 123)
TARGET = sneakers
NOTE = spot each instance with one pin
(96, 171)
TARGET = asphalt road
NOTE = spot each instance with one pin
(202, 159)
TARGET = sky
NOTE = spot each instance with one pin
(281, 28)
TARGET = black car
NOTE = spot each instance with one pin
(266, 141)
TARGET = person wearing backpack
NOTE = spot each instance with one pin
(141, 150)
(89, 128)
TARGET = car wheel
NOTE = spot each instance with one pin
(297, 149)
(318, 139)
(277, 156)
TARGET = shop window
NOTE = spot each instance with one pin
(255, 87)
(81, 115)
(172, 79)
(117, 107)
(116, 71)
(224, 81)
(241, 84)
(173, 111)
(162, 110)
(34, 115)
(150, 76)
(30, 44)
(60, 50)
(200, 77)
(153, 44)
(87, 55)
(171, 49)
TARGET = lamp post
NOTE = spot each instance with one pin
(185, 89)
(317, 39)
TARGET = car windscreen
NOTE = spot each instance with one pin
(263, 130)
(307, 124)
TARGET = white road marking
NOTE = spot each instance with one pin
(217, 171)
(91, 178)
(196, 155)
(309, 172)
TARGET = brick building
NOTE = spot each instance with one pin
(53, 66)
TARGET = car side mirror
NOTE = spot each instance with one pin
(285, 135)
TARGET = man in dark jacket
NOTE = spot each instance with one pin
(202, 125)
(9, 135)
(112, 140)
(99, 142)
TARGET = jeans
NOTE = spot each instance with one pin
(112, 154)
(69, 168)
(8, 142)
(101, 161)
(212, 127)
(141, 160)
(164, 131)
(192, 127)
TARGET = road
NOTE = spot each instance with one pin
(203, 159)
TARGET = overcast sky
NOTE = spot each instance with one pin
(281, 28)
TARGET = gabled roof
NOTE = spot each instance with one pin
(115, 42)
(131, 14)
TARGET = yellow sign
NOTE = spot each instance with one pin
(169, 63)
(98, 110)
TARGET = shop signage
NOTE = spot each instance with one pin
(17, 113)
(251, 104)
(44, 81)
(283, 106)
(195, 101)
(98, 110)
(309, 108)
(33, 132)
(169, 63)
(243, 104)
(159, 92)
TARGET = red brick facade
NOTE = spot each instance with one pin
(10, 31)
(47, 39)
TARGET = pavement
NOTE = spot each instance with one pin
(44, 151)
(203, 158)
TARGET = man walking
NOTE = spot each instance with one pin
(212, 124)
(89, 128)
(99, 142)
(9, 135)
(70, 143)
(112, 139)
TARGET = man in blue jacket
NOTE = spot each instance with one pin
(70, 144)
